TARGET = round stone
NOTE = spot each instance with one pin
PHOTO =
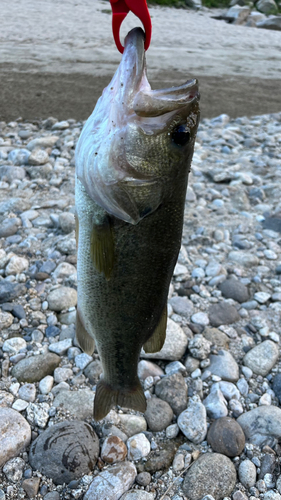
(65, 451)
(113, 450)
(175, 344)
(226, 436)
(199, 347)
(200, 318)
(224, 365)
(262, 357)
(6, 320)
(193, 421)
(17, 265)
(173, 390)
(34, 368)
(212, 474)
(223, 314)
(158, 414)
(143, 478)
(15, 434)
(247, 473)
(132, 424)
(138, 447)
(148, 369)
(27, 392)
(234, 289)
(62, 298)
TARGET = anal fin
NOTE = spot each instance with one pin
(157, 339)
(102, 247)
(107, 397)
(85, 341)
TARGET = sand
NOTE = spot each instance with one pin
(56, 57)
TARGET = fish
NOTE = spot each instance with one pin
(132, 160)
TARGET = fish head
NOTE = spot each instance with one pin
(137, 141)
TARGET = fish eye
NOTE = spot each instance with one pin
(181, 135)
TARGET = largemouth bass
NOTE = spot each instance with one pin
(132, 163)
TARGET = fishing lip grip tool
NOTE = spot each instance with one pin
(120, 9)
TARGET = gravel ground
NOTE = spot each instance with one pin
(216, 383)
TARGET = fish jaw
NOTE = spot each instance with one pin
(128, 109)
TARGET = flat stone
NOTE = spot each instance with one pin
(62, 298)
(234, 289)
(64, 270)
(10, 291)
(35, 368)
(80, 404)
(212, 474)
(6, 399)
(112, 482)
(193, 421)
(65, 451)
(38, 157)
(262, 425)
(16, 265)
(262, 297)
(245, 259)
(82, 360)
(15, 434)
(159, 461)
(273, 23)
(158, 414)
(226, 436)
(216, 337)
(46, 384)
(47, 141)
(200, 318)
(247, 473)
(224, 365)
(223, 314)
(60, 347)
(113, 450)
(173, 390)
(262, 358)
(175, 344)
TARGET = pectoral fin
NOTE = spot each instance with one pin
(102, 247)
(156, 341)
(85, 341)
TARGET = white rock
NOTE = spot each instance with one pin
(46, 384)
(6, 320)
(38, 414)
(193, 421)
(20, 405)
(112, 482)
(16, 265)
(14, 345)
(60, 347)
(262, 297)
(15, 434)
(247, 473)
(138, 447)
(175, 344)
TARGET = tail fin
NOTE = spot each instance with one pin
(106, 398)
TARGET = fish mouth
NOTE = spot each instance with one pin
(141, 99)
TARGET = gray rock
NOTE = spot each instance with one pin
(191, 364)
(238, 14)
(93, 371)
(243, 386)
(262, 358)
(215, 403)
(60, 347)
(199, 347)
(223, 314)
(234, 289)
(62, 298)
(47, 141)
(15, 434)
(132, 424)
(62, 374)
(262, 425)
(267, 7)
(31, 486)
(6, 320)
(200, 318)
(173, 390)
(158, 414)
(38, 157)
(229, 390)
(193, 421)
(212, 474)
(112, 483)
(10, 291)
(80, 403)
(65, 451)
(35, 368)
(216, 337)
(67, 222)
(243, 258)
(13, 469)
(143, 478)
(247, 473)
(19, 156)
(148, 369)
(27, 392)
(46, 384)
(224, 365)
(38, 414)
(182, 306)
(138, 495)
(138, 447)
(52, 495)
(273, 23)
(82, 360)
(14, 345)
(226, 436)
(9, 227)
(174, 346)
(64, 270)
(276, 386)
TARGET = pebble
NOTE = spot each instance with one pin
(62, 298)
(13, 469)
(193, 421)
(173, 390)
(233, 289)
(6, 320)
(262, 357)
(65, 451)
(35, 368)
(247, 473)
(212, 474)
(93, 371)
(80, 404)
(262, 297)
(46, 384)
(10, 291)
(199, 347)
(216, 337)
(174, 346)
(224, 365)
(138, 447)
(132, 424)
(31, 486)
(200, 318)
(15, 434)
(82, 360)
(113, 450)
(276, 386)
(27, 392)
(158, 414)
(245, 259)
(38, 414)
(215, 403)
(20, 405)
(14, 345)
(112, 482)
(226, 436)
(143, 478)
(137, 495)
(223, 314)
(148, 369)
(262, 425)
(61, 347)
(182, 306)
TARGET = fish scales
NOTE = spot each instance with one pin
(130, 196)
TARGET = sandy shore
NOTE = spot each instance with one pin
(56, 61)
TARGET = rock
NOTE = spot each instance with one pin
(273, 23)
(174, 346)
(35, 368)
(15, 434)
(262, 425)
(82, 360)
(19, 156)
(262, 358)
(226, 436)
(238, 14)
(10, 291)
(160, 459)
(13, 469)
(113, 450)
(215, 403)
(224, 365)
(243, 258)
(67, 222)
(193, 4)
(80, 404)
(143, 478)
(268, 464)
(262, 297)
(247, 473)
(212, 474)
(276, 386)
(14, 345)
(9, 227)
(138, 495)
(271, 495)
(64, 270)
(132, 424)
(193, 421)
(42, 142)
(138, 447)
(223, 314)
(31, 486)
(191, 364)
(182, 306)
(173, 390)
(20, 405)
(148, 369)
(6, 320)
(16, 265)
(65, 451)
(229, 390)
(158, 414)
(199, 347)
(38, 414)
(46, 384)
(27, 392)
(93, 371)
(38, 157)
(267, 7)
(200, 318)
(6, 399)
(112, 482)
(60, 347)
(234, 289)
(216, 337)
(62, 298)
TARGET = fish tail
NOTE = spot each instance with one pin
(107, 397)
